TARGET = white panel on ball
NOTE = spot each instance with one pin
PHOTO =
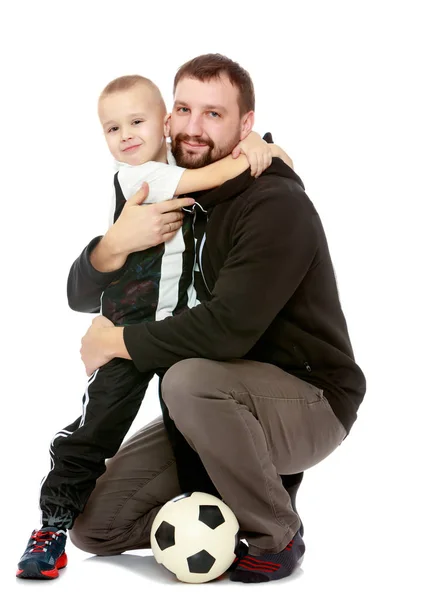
(194, 536)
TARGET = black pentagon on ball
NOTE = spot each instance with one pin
(211, 515)
(165, 535)
(201, 562)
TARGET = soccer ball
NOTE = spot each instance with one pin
(194, 536)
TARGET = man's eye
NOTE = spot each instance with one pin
(182, 109)
(213, 114)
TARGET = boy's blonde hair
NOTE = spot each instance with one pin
(126, 82)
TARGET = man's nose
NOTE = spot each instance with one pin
(194, 126)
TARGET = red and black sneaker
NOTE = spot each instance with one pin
(240, 551)
(44, 554)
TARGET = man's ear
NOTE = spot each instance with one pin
(167, 125)
(247, 124)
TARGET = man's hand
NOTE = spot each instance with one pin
(100, 322)
(95, 351)
(101, 343)
(141, 227)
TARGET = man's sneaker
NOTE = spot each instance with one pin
(291, 484)
(240, 551)
(44, 554)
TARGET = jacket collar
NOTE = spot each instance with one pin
(234, 187)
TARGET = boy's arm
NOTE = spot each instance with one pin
(217, 173)
(244, 148)
(211, 176)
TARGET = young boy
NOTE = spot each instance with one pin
(154, 284)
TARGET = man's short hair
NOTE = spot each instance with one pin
(212, 66)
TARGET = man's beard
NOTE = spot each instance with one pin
(192, 160)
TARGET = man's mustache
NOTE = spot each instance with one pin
(183, 137)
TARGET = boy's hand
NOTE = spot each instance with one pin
(278, 152)
(257, 151)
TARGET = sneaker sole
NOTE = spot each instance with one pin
(300, 561)
(32, 570)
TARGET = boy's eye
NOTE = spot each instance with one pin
(137, 121)
(113, 129)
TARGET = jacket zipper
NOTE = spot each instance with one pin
(201, 247)
(304, 362)
(200, 262)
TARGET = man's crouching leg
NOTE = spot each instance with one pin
(138, 480)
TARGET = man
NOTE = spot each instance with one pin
(261, 378)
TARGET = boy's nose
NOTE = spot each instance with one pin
(126, 135)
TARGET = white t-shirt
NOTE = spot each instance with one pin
(162, 179)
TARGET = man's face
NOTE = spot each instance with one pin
(205, 121)
(133, 125)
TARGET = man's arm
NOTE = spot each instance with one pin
(105, 259)
(137, 228)
(275, 245)
(86, 283)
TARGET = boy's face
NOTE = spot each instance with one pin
(205, 123)
(133, 125)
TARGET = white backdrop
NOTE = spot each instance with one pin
(337, 85)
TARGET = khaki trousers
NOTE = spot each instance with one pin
(248, 421)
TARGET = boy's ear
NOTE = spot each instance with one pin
(167, 125)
